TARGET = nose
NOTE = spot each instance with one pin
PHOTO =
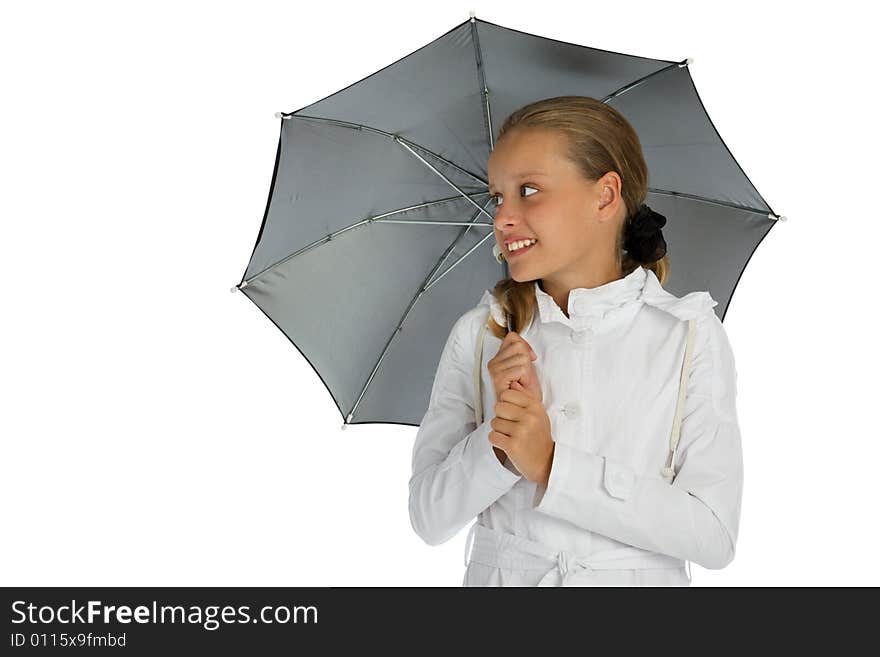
(505, 220)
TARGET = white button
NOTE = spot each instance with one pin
(570, 410)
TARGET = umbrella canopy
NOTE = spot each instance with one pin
(377, 234)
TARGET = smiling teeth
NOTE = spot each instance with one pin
(514, 246)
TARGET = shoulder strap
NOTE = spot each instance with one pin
(478, 396)
(669, 471)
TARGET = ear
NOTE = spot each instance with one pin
(610, 199)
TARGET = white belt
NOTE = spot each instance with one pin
(504, 550)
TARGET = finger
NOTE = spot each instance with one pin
(499, 440)
(508, 411)
(528, 392)
(510, 361)
(535, 395)
(505, 354)
(520, 385)
(519, 340)
(511, 374)
(515, 397)
(514, 346)
(503, 425)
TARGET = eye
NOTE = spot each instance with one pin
(497, 197)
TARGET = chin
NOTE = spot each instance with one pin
(522, 276)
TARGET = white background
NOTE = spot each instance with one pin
(158, 430)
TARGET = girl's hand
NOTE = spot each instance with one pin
(513, 367)
(521, 428)
(515, 362)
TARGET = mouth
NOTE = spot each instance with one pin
(519, 251)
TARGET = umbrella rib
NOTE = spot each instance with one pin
(376, 218)
(418, 222)
(428, 281)
(447, 180)
(681, 64)
(361, 126)
(478, 53)
(471, 250)
(425, 286)
(481, 69)
(725, 204)
(631, 85)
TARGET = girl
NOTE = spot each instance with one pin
(611, 451)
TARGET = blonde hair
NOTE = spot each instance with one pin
(599, 139)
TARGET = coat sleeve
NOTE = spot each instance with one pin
(455, 473)
(695, 518)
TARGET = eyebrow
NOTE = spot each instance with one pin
(525, 175)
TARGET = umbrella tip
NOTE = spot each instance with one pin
(279, 115)
(473, 14)
(778, 217)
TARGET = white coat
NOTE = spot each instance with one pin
(610, 375)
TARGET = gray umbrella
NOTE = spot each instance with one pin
(377, 234)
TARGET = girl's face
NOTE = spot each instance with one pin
(540, 194)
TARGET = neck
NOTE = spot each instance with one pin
(559, 284)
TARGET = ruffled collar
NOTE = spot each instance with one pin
(592, 302)
(590, 306)
(691, 305)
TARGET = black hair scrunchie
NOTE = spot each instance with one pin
(643, 238)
